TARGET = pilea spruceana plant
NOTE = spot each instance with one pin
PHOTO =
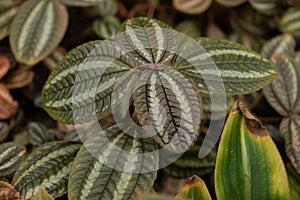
(144, 67)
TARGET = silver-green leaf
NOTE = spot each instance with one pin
(91, 178)
(37, 29)
(46, 167)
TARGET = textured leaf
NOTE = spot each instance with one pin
(38, 134)
(290, 128)
(189, 163)
(248, 164)
(92, 177)
(194, 189)
(37, 29)
(11, 156)
(106, 27)
(46, 167)
(105, 8)
(289, 22)
(166, 103)
(81, 86)
(238, 69)
(294, 181)
(42, 194)
(192, 6)
(6, 17)
(284, 43)
(80, 2)
(190, 28)
(231, 3)
(8, 192)
(283, 93)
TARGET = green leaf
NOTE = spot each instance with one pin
(191, 6)
(8, 192)
(8, 4)
(248, 164)
(81, 86)
(37, 29)
(194, 189)
(284, 43)
(283, 93)
(106, 27)
(92, 178)
(46, 167)
(38, 134)
(6, 18)
(11, 156)
(80, 2)
(290, 128)
(42, 194)
(289, 21)
(294, 181)
(238, 69)
(231, 3)
(166, 103)
(267, 7)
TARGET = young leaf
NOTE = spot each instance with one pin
(283, 93)
(290, 128)
(42, 194)
(46, 167)
(231, 3)
(80, 2)
(11, 156)
(248, 164)
(37, 29)
(239, 69)
(6, 17)
(289, 21)
(192, 6)
(38, 134)
(8, 192)
(284, 43)
(167, 104)
(194, 189)
(92, 178)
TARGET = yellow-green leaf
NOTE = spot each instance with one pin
(294, 181)
(194, 189)
(248, 164)
(37, 29)
(42, 194)
(80, 2)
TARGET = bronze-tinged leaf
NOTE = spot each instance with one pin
(4, 66)
(8, 106)
(18, 78)
(290, 128)
(192, 6)
(8, 192)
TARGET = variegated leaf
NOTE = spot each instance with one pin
(290, 128)
(192, 6)
(80, 2)
(106, 27)
(129, 170)
(4, 131)
(284, 43)
(189, 163)
(283, 93)
(105, 8)
(235, 68)
(11, 156)
(8, 4)
(8, 192)
(38, 134)
(80, 88)
(294, 181)
(37, 29)
(289, 22)
(6, 17)
(46, 167)
(267, 7)
(231, 3)
(167, 104)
